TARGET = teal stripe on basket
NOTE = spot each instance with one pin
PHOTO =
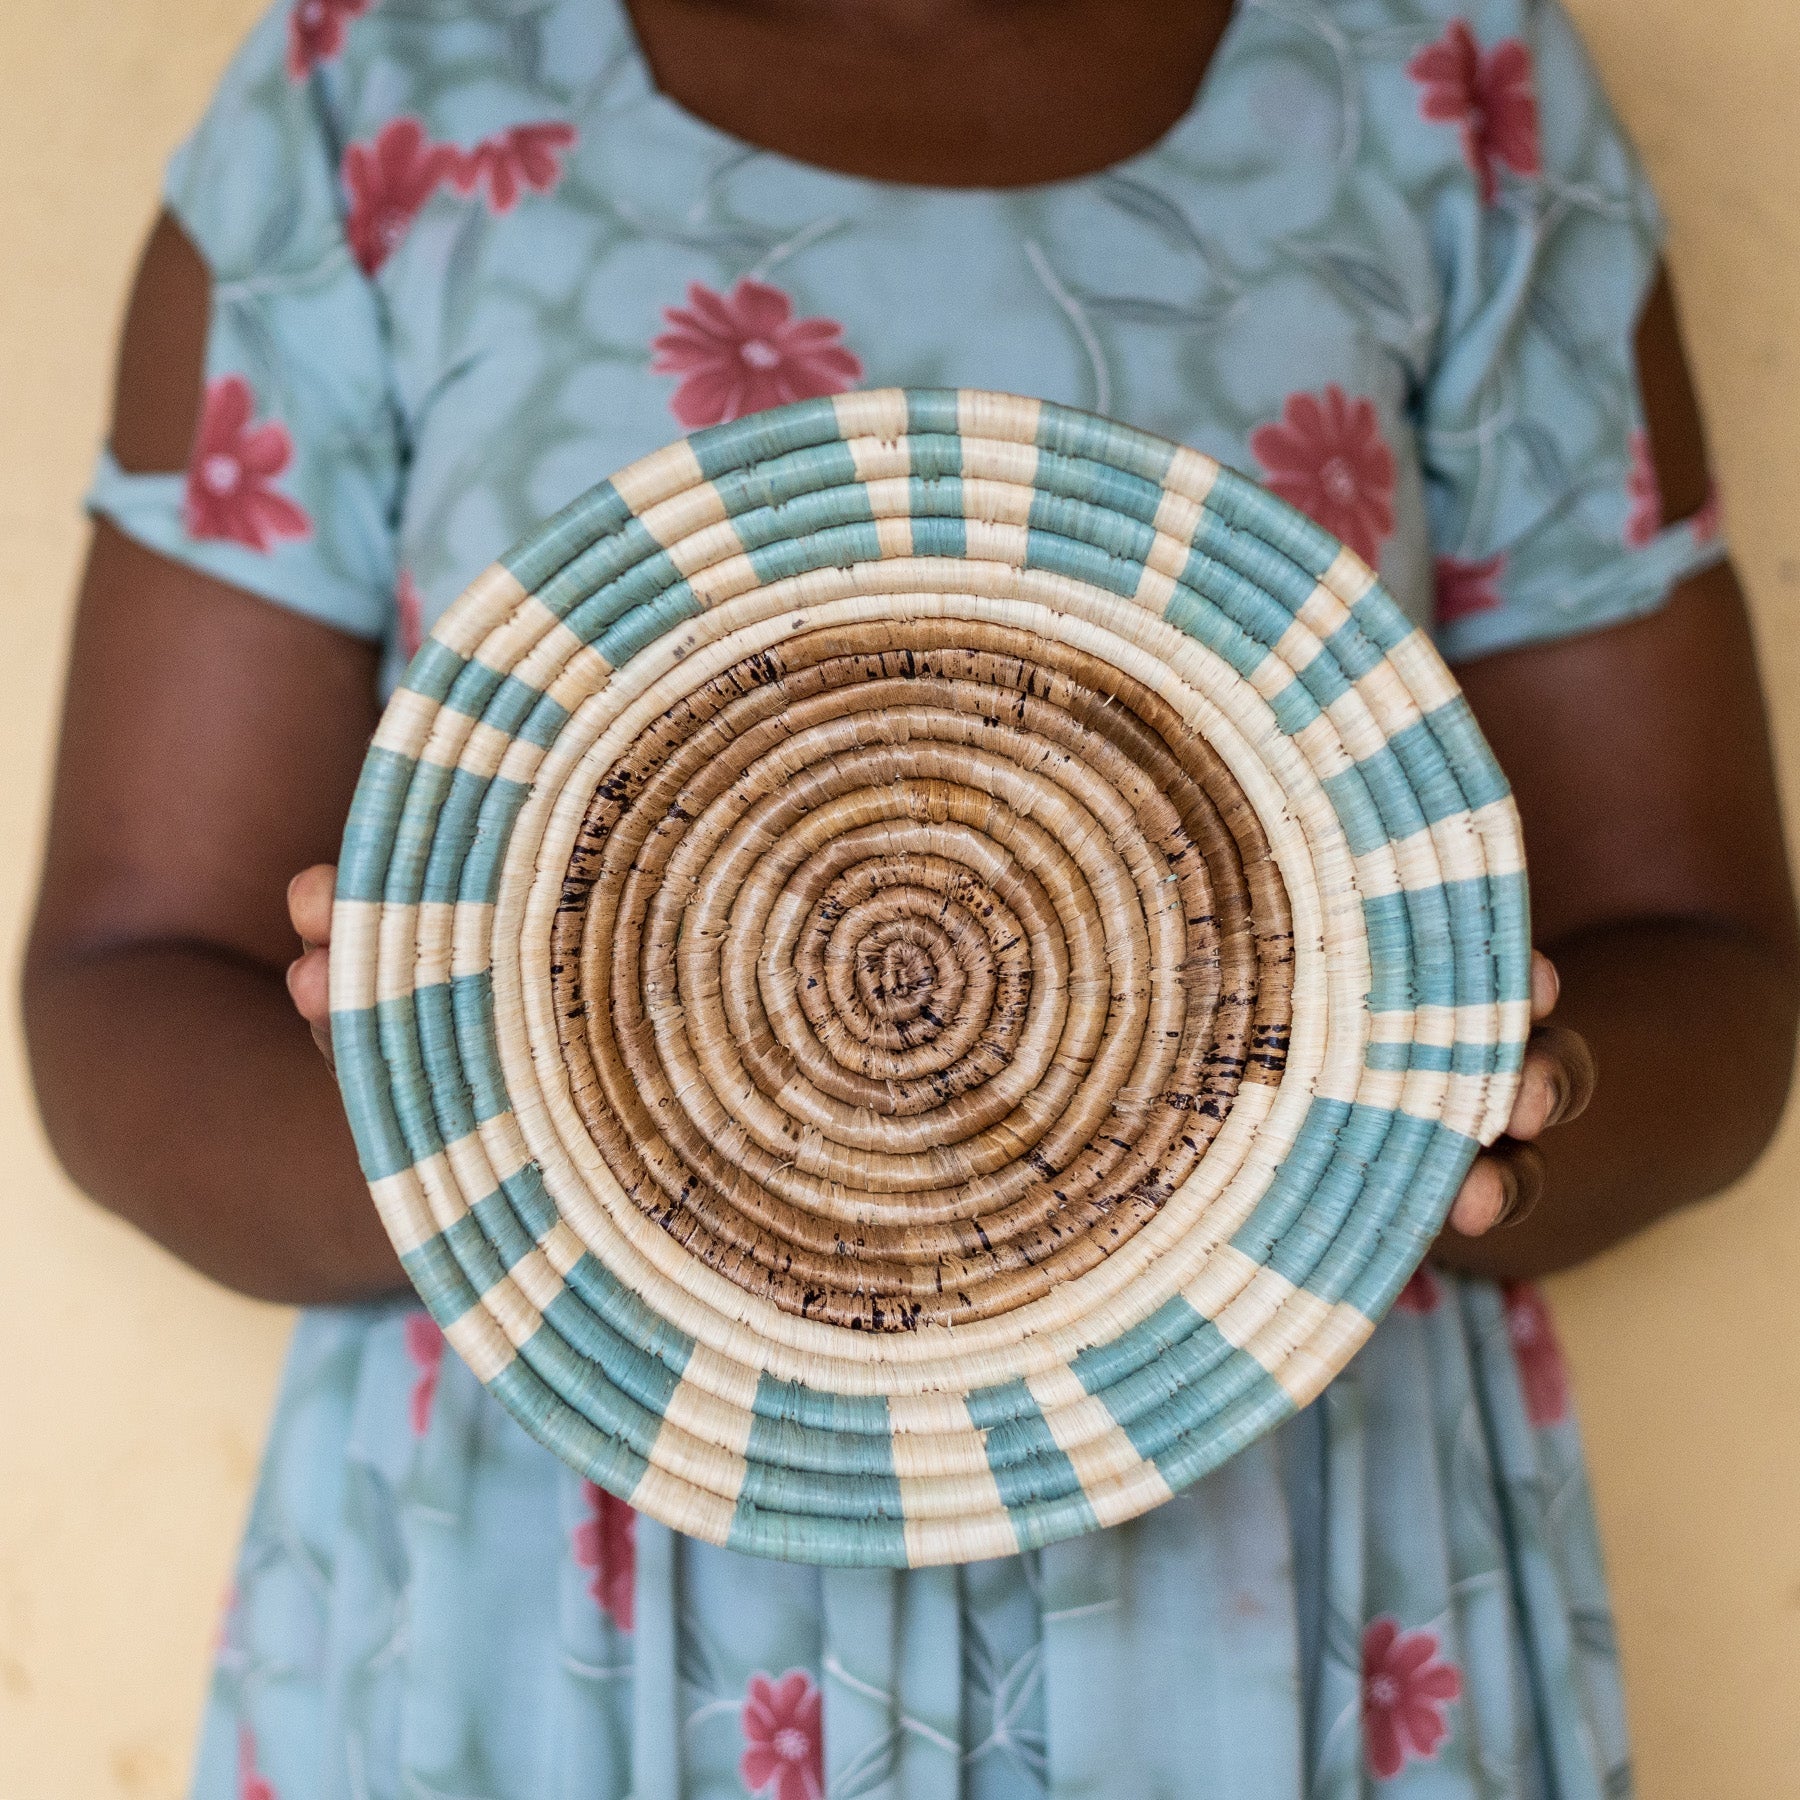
(1080, 434)
(493, 827)
(1199, 615)
(830, 1543)
(1509, 899)
(786, 479)
(1082, 562)
(1125, 541)
(1398, 982)
(595, 514)
(932, 412)
(472, 1010)
(934, 458)
(409, 1093)
(835, 547)
(1357, 810)
(865, 1457)
(1026, 1462)
(1341, 1185)
(439, 1279)
(374, 818)
(434, 670)
(380, 1144)
(1353, 650)
(1383, 1211)
(774, 1487)
(1262, 567)
(1262, 1406)
(626, 1314)
(457, 796)
(763, 436)
(643, 625)
(433, 1009)
(609, 1461)
(418, 841)
(1241, 502)
(1453, 726)
(789, 518)
(1379, 614)
(1108, 489)
(1300, 1169)
(820, 1410)
(604, 585)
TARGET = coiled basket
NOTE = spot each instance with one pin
(913, 971)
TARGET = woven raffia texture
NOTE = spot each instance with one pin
(915, 970)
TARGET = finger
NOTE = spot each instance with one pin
(1546, 986)
(309, 984)
(1543, 1094)
(1501, 1188)
(309, 902)
(322, 1037)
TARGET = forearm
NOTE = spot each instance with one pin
(182, 1092)
(1692, 1028)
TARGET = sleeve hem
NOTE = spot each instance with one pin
(1634, 589)
(147, 509)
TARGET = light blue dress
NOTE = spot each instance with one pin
(466, 262)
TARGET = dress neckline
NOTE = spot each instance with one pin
(638, 75)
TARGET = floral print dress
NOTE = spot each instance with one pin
(467, 261)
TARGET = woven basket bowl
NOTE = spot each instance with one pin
(916, 970)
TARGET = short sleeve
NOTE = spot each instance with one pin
(291, 485)
(1545, 514)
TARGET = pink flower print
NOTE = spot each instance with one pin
(1542, 1373)
(737, 353)
(1405, 1692)
(525, 156)
(1466, 588)
(251, 1786)
(1422, 1293)
(606, 1542)
(409, 605)
(784, 1750)
(425, 1346)
(389, 180)
(316, 32)
(228, 493)
(1643, 490)
(1327, 457)
(1490, 97)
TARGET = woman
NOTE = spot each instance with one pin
(428, 272)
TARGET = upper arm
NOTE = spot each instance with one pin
(211, 739)
(1640, 754)
(1640, 759)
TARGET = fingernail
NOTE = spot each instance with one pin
(1519, 1202)
(1560, 1094)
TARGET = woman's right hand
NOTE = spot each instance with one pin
(309, 899)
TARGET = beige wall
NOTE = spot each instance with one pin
(134, 1396)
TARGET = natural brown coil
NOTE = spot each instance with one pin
(900, 982)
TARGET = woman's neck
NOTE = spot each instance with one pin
(939, 93)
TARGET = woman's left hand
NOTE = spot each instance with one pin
(1555, 1086)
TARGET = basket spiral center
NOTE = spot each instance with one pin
(900, 981)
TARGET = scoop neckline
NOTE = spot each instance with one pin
(643, 79)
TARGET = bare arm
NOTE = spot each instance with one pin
(1660, 885)
(210, 744)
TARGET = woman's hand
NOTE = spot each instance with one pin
(1555, 1085)
(309, 897)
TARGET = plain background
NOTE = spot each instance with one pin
(133, 1396)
